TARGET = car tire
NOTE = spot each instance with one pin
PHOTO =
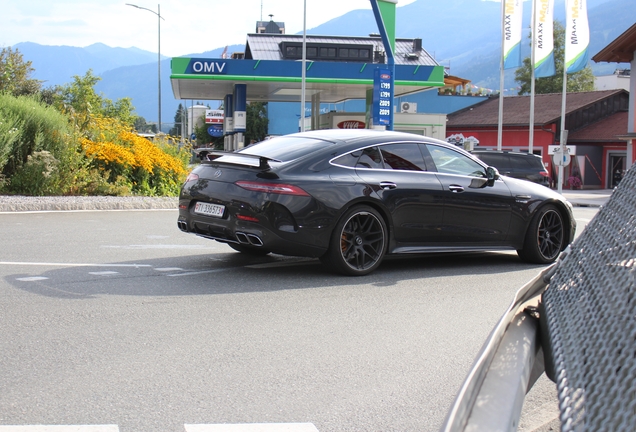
(358, 242)
(248, 250)
(545, 237)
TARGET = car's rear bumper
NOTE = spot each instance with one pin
(284, 239)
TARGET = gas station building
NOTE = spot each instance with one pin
(371, 73)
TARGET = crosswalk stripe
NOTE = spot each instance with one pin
(251, 427)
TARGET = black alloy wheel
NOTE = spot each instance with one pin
(358, 242)
(545, 237)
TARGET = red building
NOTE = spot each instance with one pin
(595, 121)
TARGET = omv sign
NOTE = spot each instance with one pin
(207, 67)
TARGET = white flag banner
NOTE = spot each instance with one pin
(577, 35)
(512, 27)
(543, 38)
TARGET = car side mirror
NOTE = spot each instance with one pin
(492, 174)
(478, 183)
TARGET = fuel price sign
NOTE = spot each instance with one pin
(382, 97)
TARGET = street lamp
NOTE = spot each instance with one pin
(159, 18)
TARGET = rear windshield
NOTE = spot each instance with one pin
(285, 148)
(527, 162)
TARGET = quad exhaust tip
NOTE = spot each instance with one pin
(249, 239)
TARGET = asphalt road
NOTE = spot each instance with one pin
(118, 318)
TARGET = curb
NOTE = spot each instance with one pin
(9, 204)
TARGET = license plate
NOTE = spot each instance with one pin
(209, 209)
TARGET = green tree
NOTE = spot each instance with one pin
(257, 122)
(141, 126)
(178, 125)
(81, 102)
(15, 74)
(580, 81)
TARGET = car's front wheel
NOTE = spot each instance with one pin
(358, 243)
(545, 237)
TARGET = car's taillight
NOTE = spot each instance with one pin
(544, 173)
(192, 177)
(275, 188)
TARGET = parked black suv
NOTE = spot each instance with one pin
(519, 165)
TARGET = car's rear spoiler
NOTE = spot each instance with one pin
(211, 155)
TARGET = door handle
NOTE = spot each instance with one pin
(388, 185)
(456, 188)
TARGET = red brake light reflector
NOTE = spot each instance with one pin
(247, 218)
(192, 177)
(275, 188)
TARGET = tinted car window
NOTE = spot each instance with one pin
(518, 165)
(348, 160)
(370, 158)
(405, 157)
(498, 160)
(285, 148)
(451, 162)
(526, 163)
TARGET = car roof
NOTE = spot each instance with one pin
(369, 135)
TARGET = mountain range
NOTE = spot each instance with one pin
(463, 35)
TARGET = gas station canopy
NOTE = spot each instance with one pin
(337, 69)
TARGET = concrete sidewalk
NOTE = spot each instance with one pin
(588, 198)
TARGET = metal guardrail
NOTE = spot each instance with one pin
(588, 321)
(583, 330)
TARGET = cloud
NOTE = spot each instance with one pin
(66, 23)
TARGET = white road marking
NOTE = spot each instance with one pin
(251, 427)
(168, 269)
(164, 246)
(104, 273)
(60, 428)
(32, 278)
(85, 211)
(202, 272)
(246, 427)
(71, 264)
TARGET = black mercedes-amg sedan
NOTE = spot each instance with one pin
(350, 197)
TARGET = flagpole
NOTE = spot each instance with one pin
(501, 78)
(564, 135)
(303, 75)
(532, 59)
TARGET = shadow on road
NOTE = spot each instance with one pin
(235, 273)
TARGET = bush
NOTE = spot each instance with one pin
(38, 150)
(42, 154)
(27, 126)
(124, 158)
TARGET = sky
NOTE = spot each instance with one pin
(189, 26)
